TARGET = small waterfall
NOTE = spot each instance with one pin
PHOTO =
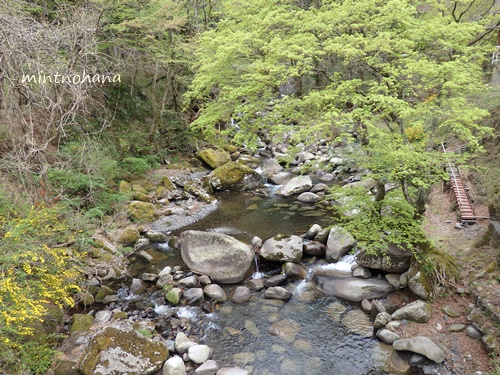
(257, 274)
(344, 264)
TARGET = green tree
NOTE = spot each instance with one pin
(397, 73)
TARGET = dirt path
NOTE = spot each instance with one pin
(465, 355)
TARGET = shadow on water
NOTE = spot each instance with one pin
(244, 215)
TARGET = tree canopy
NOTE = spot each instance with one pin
(397, 73)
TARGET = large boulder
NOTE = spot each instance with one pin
(343, 285)
(421, 345)
(270, 167)
(234, 176)
(278, 249)
(418, 311)
(223, 258)
(119, 350)
(214, 158)
(339, 243)
(296, 185)
(393, 259)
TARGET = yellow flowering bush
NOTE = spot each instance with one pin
(39, 267)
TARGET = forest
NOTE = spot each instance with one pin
(93, 92)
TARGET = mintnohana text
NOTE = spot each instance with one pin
(73, 78)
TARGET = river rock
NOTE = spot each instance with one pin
(319, 187)
(296, 185)
(313, 231)
(189, 282)
(456, 327)
(257, 241)
(241, 294)
(103, 316)
(142, 211)
(192, 296)
(314, 248)
(418, 283)
(174, 366)
(304, 156)
(215, 292)
(358, 322)
(387, 336)
(271, 167)
(361, 272)
(118, 350)
(234, 176)
(418, 311)
(155, 236)
(421, 345)
(293, 271)
(281, 178)
(287, 329)
(308, 197)
(128, 236)
(393, 259)
(81, 322)
(199, 353)
(343, 285)
(182, 343)
(381, 320)
(277, 292)
(275, 280)
(339, 243)
(288, 249)
(256, 284)
(223, 258)
(214, 158)
(232, 371)
(174, 296)
(472, 332)
(210, 367)
(394, 280)
(450, 311)
(366, 305)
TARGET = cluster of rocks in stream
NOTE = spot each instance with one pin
(127, 335)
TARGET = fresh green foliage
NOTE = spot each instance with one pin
(396, 73)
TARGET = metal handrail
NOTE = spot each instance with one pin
(459, 199)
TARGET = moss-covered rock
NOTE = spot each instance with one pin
(141, 197)
(124, 187)
(81, 323)
(103, 292)
(174, 296)
(142, 211)
(234, 176)
(123, 351)
(167, 184)
(138, 188)
(229, 148)
(214, 158)
(128, 236)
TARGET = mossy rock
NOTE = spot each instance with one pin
(141, 197)
(117, 350)
(124, 187)
(174, 296)
(103, 292)
(234, 176)
(120, 315)
(167, 184)
(214, 158)
(419, 283)
(138, 188)
(66, 367)
(128, 236)
(82, 323)
(230, 148)
(142, 211)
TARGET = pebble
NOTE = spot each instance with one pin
(472, 332)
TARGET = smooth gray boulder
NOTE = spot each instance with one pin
(192, 296)
(277, 292)
(296, 185)
(308, 197)
(215, 292)
(281, 178)
(418, 311)
(387, 336)
(339, 243)
(277, 249)
(343, 285)
(313, 231)
(223, 258)
(270, 167)
(241, 294)
(421, 345)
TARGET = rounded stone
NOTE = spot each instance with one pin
(199, 353)
(241, 294)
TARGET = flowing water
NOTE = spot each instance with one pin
(311, 333)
